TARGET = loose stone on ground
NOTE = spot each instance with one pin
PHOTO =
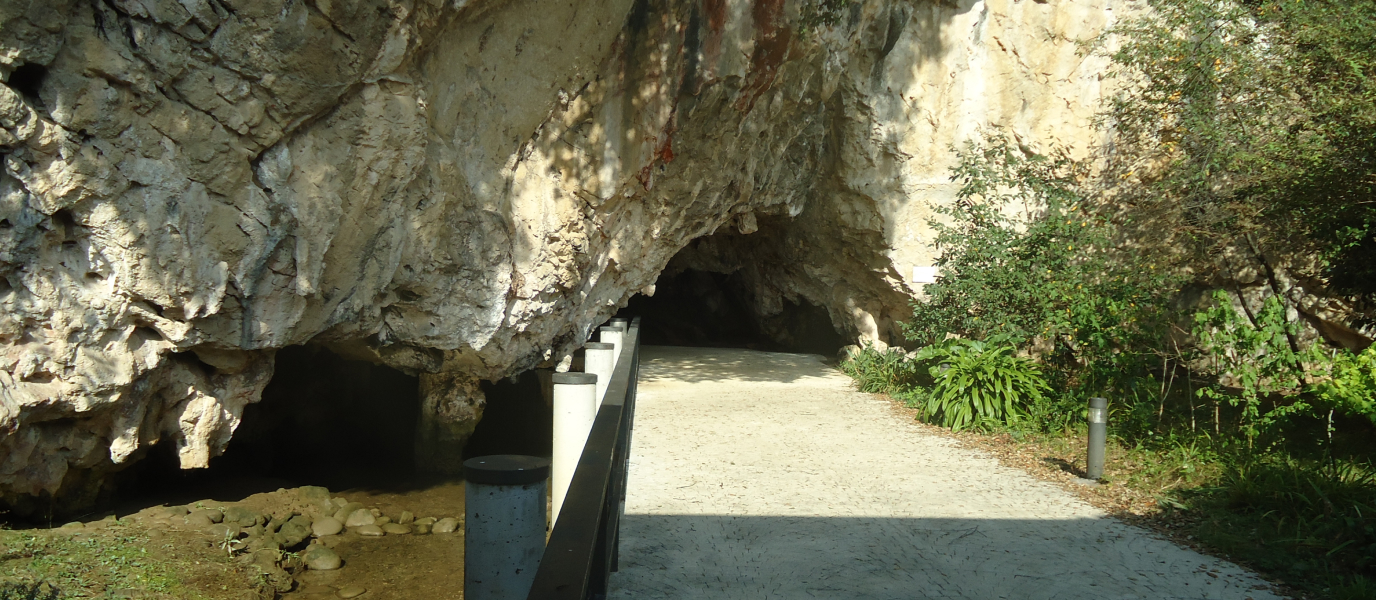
(445, 525)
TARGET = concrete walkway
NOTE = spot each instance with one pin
(762, 475)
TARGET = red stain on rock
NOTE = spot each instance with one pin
(773, 36)
(664, 151)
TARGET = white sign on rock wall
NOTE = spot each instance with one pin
(924, 274)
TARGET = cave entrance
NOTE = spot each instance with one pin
(326, 420)
(323, 420)
(692, 307)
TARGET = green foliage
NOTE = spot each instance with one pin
(889, 372)
(1349, 386)
(20, 591)
(1024, 257)
(978, 384)
(1259, 354)
(1314, 524)
(881, 372)
(1250, 124)
(1274, 380)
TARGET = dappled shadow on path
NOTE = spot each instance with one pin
(690, 365)
(722, 556)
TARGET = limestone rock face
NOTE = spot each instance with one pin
(460, 190)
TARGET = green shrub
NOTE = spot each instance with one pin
(1310, 522)
(1349, 384)
(1247, 127)
(876, 372)
(887, 372)
(1024, 256)
(979, 384)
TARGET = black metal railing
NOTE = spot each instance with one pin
(582, 550)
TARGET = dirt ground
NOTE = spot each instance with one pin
(164, 552)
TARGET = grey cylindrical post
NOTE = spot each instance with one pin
(575, 408)
(599, 359)
(504, 529)
(613, 335)
(1098, 436)
(621, 322)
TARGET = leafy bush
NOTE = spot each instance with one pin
(1248, 125)
(978, 384)
(1260, 355)
(876, 372)
(1275, 380)
(1023, 257)
(1349, 386)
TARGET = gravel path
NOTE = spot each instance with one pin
(761, 475)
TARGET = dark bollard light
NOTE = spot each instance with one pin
(504, 533)
(1098, 436)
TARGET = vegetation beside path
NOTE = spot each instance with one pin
(1304, 519)
(1163, 272)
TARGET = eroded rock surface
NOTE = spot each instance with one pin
(459, 190)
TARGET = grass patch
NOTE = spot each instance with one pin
(106, 563)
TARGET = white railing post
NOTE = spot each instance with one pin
(612, 334)
(575, 408)
(600, 360)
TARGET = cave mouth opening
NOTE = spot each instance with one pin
(326, 420)
(322, 420)
(692, 307)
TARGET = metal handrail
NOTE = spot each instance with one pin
(582, 550)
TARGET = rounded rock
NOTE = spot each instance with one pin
(445, 525)
(343, 513)
(326, 526)
(406, 517)
(174, 511)
(422, 528)
(198, 520)
(368, 530)
(244, 517)
(396, 529)
(359, 518)
(320, 558)
(213, 515)
(224, 531)
(351, 591)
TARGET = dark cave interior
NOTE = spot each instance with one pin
(707, 309)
